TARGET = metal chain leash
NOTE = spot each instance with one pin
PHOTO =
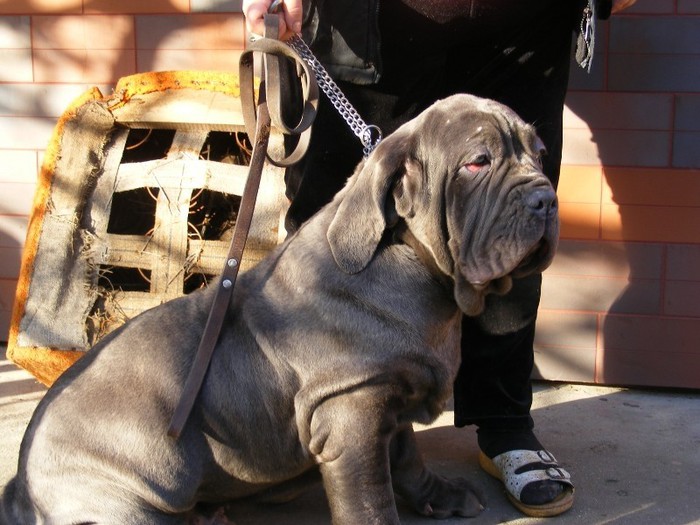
(369, 134)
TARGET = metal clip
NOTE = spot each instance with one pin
(587, 30)
(585, 44)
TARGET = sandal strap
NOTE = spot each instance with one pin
(519, 468)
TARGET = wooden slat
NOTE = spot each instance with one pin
(170, 241)
(129, 251)
(180, 173)
(133, 303)
(187, 143)
(99, 207)
(182, 109)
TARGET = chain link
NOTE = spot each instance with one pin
(369, 134)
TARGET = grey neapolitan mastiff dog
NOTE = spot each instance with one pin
(333, 346)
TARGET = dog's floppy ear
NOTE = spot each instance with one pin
(361, 219)
(407, 188)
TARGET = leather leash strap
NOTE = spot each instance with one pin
(258, 120)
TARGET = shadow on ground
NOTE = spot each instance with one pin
(634, 456)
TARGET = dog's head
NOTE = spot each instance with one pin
(465, 177)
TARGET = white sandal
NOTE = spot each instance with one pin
(518, 468)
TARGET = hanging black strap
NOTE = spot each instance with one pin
(259, 116)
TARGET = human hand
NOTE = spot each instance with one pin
(290, 17)
(619, 5)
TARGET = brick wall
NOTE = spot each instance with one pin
(621, 304)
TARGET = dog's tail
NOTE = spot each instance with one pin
(9, 513)
(6, 504)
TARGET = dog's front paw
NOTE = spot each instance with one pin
(444, 498)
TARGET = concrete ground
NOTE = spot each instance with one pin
(634, 456)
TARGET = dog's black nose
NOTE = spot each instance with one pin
(542, 201)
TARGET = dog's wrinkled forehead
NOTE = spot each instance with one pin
(463, 123)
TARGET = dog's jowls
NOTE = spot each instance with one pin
(333, 346)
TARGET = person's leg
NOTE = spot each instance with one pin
(493, 389)
(487, 393)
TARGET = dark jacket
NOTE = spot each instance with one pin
(344, 35)
(603, 8)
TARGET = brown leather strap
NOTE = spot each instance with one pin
(229, 274)
(258, 122)
(275, 85)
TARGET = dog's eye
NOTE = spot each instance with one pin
(478, 164)
(540, 157)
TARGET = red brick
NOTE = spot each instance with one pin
(683, 262)
(654, 72)
(40, 100)
(564, 364)
(608, 259)
(11, 259)
(565, 346)
(7, 297)
(690, 7)
(579, 221)
(642, 148)
(16, 198)
(618, 111)
(682, 298)
(650, 351)
(657, 7)
(15, 32)
(651, 223)
(26, 133)
(211, 6)
(83, 32)
(191, 32)
(82, 65)
(579, 148)
(18, 166)
(634, 368)
(657, 187)
(13, 230)
(580, 184)
(652, 334)
(29, 7)
(601, 294)
(7, 293)
(16, 65)
(136, 6)
(169, 59)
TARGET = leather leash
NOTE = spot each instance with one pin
(258, 118)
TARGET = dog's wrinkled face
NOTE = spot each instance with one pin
(466, 177)
(500, 209)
